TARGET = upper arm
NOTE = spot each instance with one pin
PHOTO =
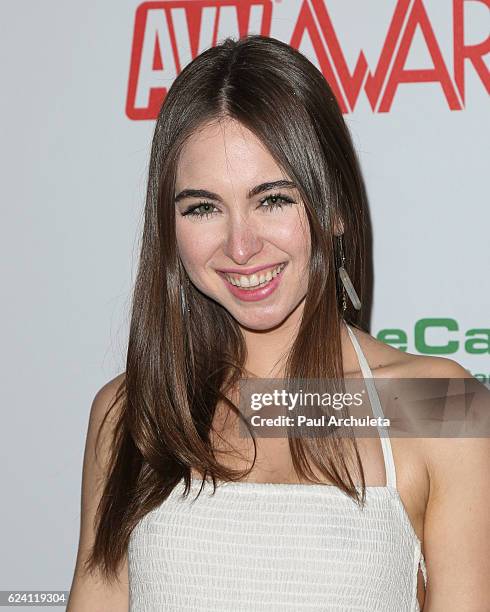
(88, 591)
(457, 521)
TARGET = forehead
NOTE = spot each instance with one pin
(225, 152)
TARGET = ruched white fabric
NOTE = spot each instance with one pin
(276, 547)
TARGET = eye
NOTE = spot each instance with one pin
(193, 211)
(276, 200)
(204, 210)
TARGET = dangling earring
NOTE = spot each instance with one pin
(185, 308)
(346, 281)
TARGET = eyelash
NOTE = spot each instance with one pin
(285, 201)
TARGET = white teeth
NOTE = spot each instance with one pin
(256, 279)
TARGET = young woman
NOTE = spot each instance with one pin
(254, 202)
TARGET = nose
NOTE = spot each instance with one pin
(242, 240)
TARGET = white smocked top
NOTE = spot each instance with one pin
(278, 546)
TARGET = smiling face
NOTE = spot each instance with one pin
(243, 241)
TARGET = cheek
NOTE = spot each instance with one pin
(293, 236)
(194, 245)
(302, 235)
(185, 245)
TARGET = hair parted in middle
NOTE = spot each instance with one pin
(178, 366)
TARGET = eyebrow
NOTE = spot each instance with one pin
(203, 193)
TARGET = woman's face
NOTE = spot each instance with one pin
(244, 243)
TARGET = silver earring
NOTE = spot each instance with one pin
(346, 281)
(185, 308)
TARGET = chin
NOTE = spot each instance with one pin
(262, 322)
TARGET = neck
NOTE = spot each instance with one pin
(267, 350)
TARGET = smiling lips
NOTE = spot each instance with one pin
(257, 279)
(256, 286)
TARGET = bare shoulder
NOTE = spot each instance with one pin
(432, 366)
(435, 453)
(89, 591)
(395, 364)
(104, 414)
(107, 393)
(107, 401)
(386, 361)
(455, 496)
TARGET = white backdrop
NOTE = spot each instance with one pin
(76, 132)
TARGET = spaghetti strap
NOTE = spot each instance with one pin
(372, 546)
(377, 411)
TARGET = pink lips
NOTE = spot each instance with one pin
(253, 295)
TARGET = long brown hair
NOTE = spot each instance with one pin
(179, 367)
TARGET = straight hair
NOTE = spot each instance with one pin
(179, 367)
